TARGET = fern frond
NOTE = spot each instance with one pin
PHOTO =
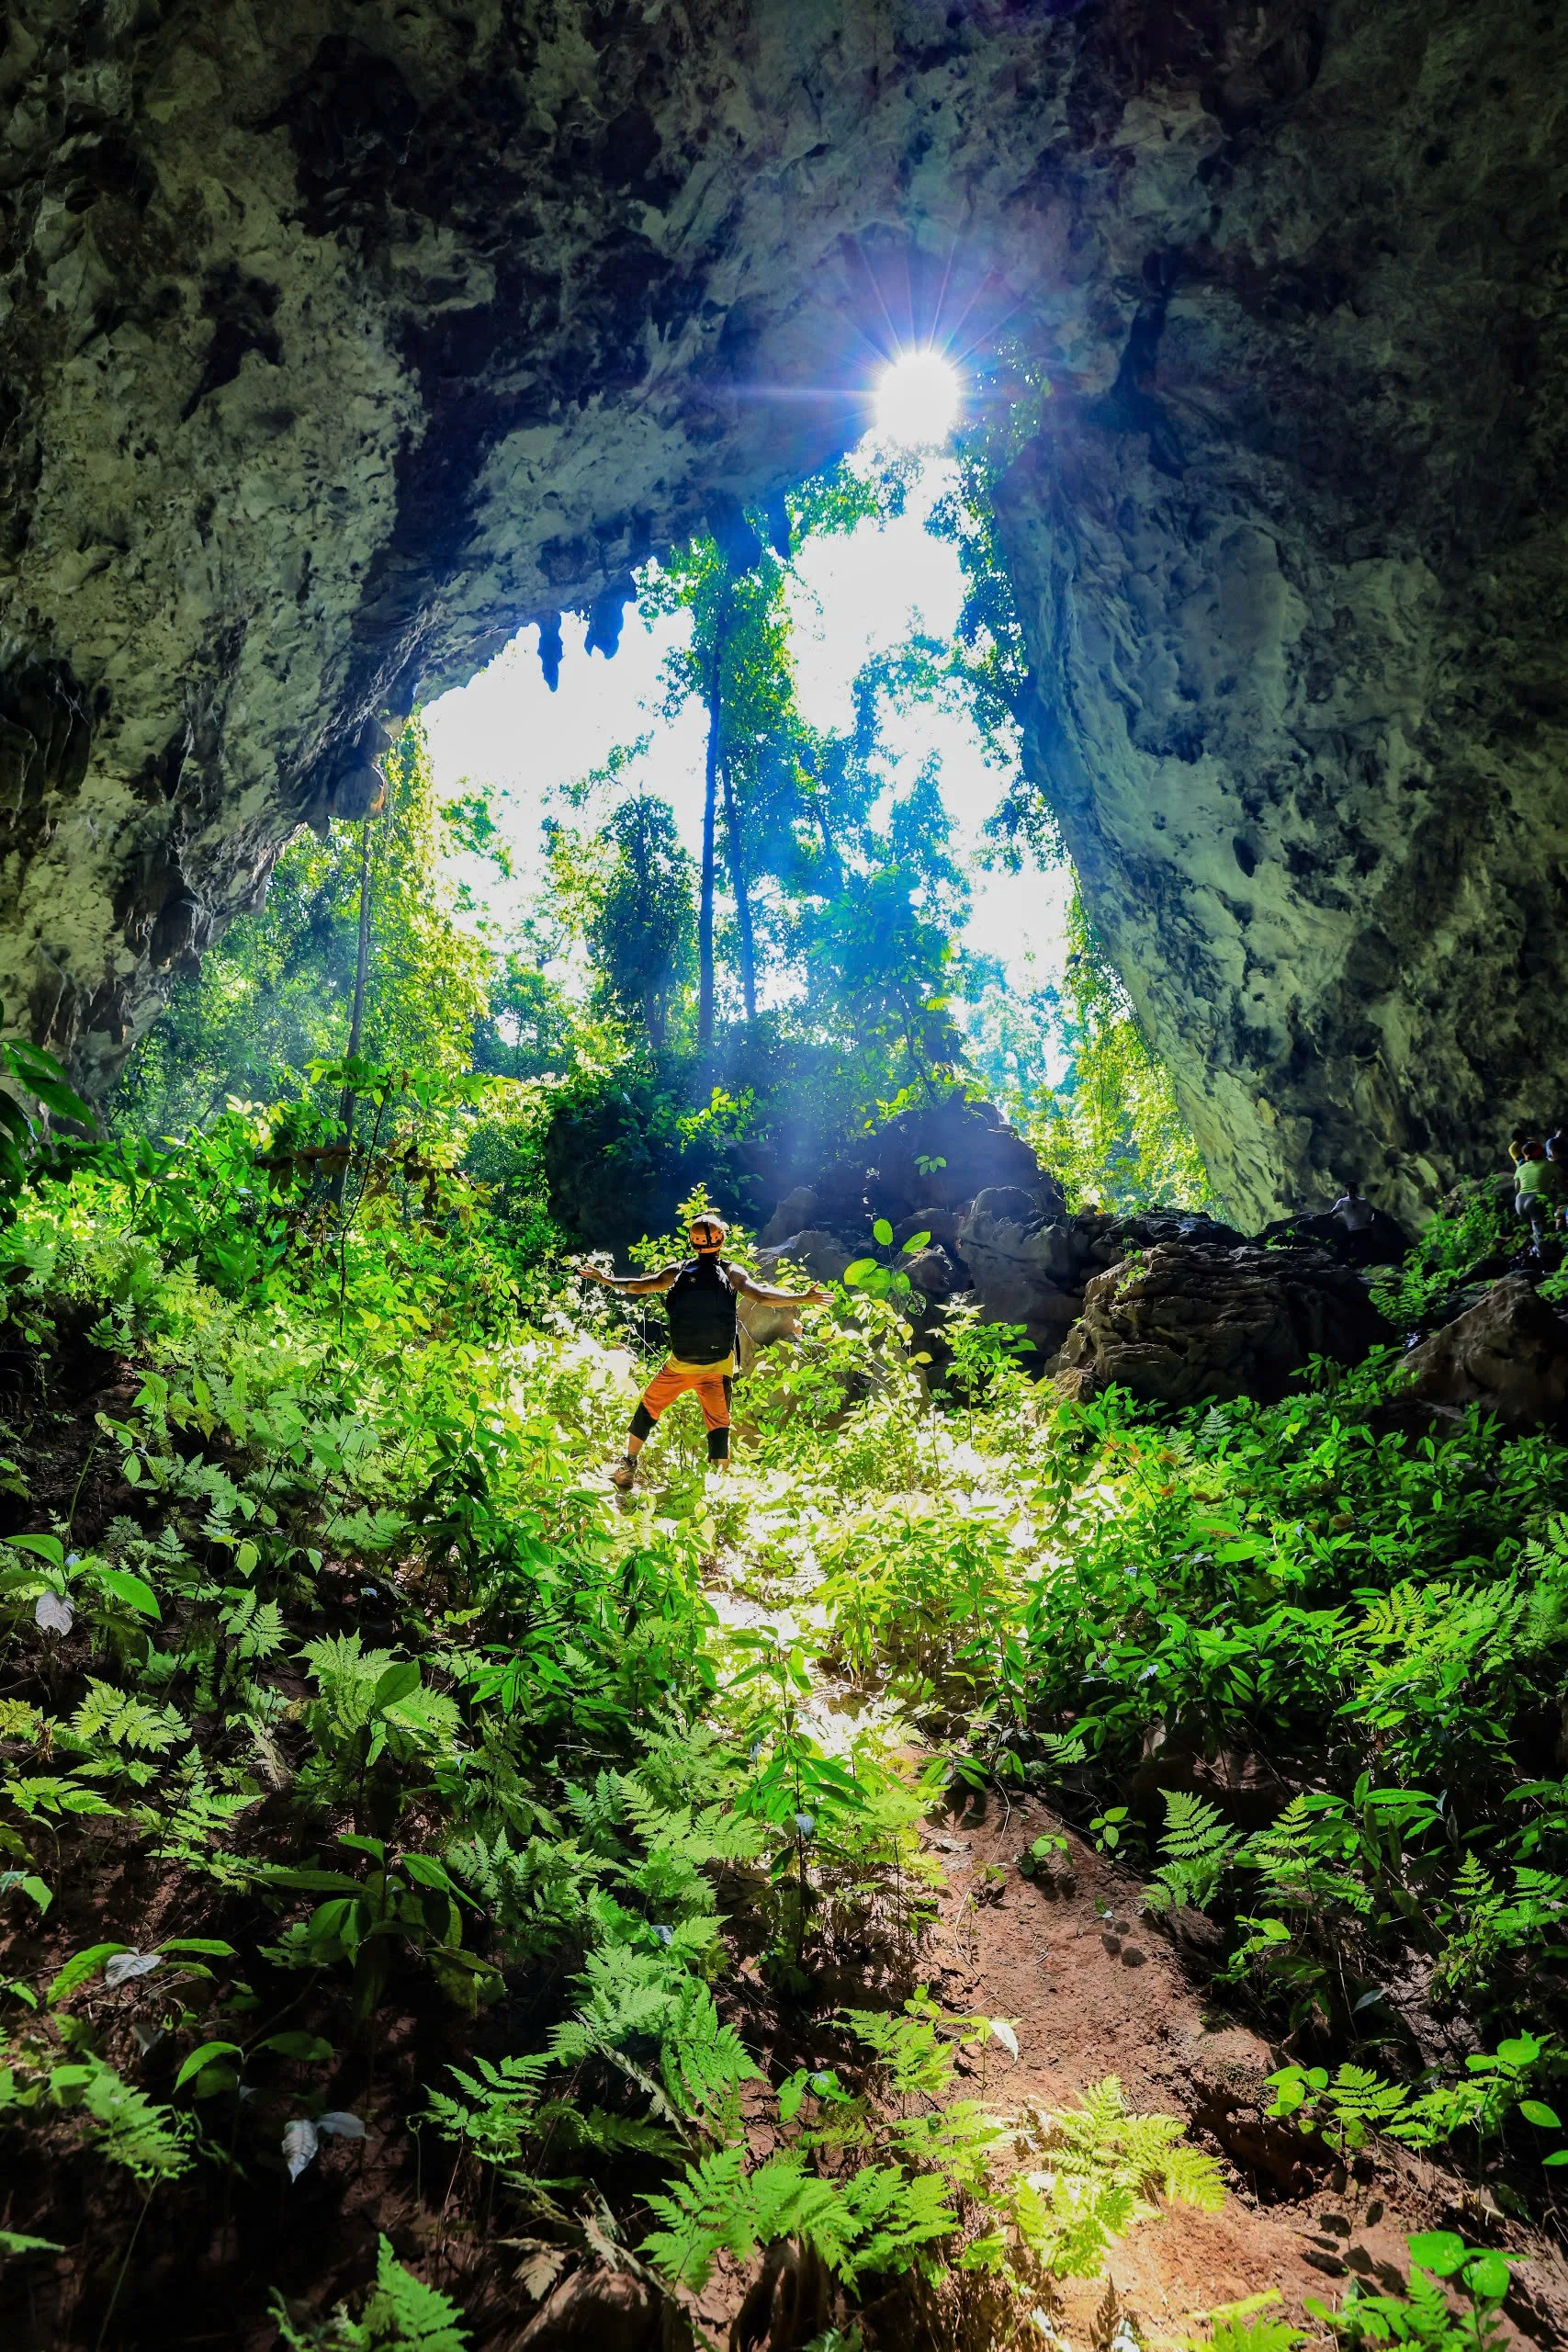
(123, 1720)
(405, 2313)
(1195, 1849)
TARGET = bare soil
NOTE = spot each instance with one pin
(1094, 1988)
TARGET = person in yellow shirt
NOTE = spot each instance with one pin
(701, 1296)
(1539, 1192)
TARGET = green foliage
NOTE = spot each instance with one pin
(30, 1149)
(275, 993)
(1114, 1132)
(346, 1633)
(400, 2314)
(1195, 1849)
(1424, 2314)
(1242, 2327)
(118, 2123)
(1476, 1224)
(872, 2220)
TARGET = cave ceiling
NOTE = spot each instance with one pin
(339, 341)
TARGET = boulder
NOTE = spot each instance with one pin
(944, 1153)
(794, 1214)
(920, 1172)
(1028, 1268)
(760, 1323)
(933, 1273)
(1509, 1353)
(821, 1255)
(1193, 1319)
(1384, 1242)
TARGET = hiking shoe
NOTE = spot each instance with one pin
(622, 1474)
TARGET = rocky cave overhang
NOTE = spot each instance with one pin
(339, 341)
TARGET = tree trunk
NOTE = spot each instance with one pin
(710, 814)
(742, 902)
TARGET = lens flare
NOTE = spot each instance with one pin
(917, 401)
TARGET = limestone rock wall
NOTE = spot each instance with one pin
(340, 338)
(1296, 601)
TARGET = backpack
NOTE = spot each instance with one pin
(701, 1310)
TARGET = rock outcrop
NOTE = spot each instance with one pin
(337, 344)
(1191, 1320)
(1507, 1352)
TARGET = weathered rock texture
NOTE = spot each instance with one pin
(342, 337)
(1192, 1321)
(1509, 1353)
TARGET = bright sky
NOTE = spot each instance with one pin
(857, 594)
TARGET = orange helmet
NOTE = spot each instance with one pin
(705, 1234)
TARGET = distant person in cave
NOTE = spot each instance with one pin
(1539, 1189)
(1353, 1209)
(701, 1306)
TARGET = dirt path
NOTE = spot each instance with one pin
(1094, 1987)
(1097, 1989)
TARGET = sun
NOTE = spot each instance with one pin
(917, 401)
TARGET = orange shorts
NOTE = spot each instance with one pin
(713, 1394)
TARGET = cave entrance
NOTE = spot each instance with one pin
(752, 857)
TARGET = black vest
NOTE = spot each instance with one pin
(700, 1305)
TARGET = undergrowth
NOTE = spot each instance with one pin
(381, 1792)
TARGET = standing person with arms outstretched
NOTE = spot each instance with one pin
(701, 1296)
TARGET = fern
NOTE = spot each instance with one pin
(536, 1892)
(1195, 1850)
(196, 1822)
(1296, 1857)
(402, 2314)
(1344, 2109)
(122, 1720)
(1099, 2143)
(498, 2115)
(1241, 2327)
(635, 1995)
(918, 2062)
(150, 2140)
(704, 2066)
(255, 1627)
(872, 2222)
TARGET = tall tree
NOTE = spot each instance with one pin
(277, 990)
(739, 661)
(715, 657)
(748, 951)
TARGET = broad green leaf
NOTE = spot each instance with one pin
(855, 1272)
(374, 1846)
(210, 1947)
(200, 2057)
(916, 1242)
(123, 1586)
(1536, 2111)
(1487, 2275)
(26, 1883)
(78, 1968)
(45, 1547)
(306, 2049)
(1439, 2251)
(425, 1872)
(883, 1232)
(400, 1678)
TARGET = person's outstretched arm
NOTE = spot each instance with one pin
(750, 1289)
(629, 1285)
